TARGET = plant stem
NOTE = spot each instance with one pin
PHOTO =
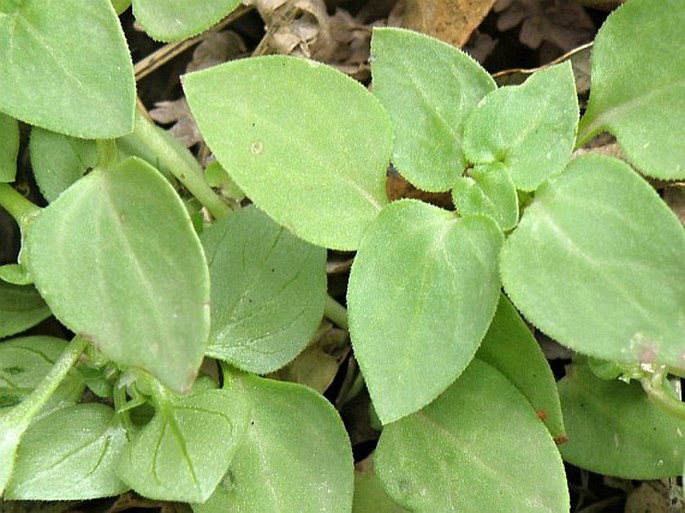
(107, 152)
(21, 209)
(336, 312)
(661, 397)
(181, 163)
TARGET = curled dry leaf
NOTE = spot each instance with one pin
(452, 21)
(565, 25)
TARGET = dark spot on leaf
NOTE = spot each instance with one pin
(12, 370)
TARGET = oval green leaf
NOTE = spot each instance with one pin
(510, 347)
(9, 147)
(306, 143)
(25, 362)
(295, 455)
(54, 73)
(58, 160)
(478, 447)
(69, 455)
(598, 263)
(488, 190)
(429, 88)
(423, 290)
(529, 128)
(173, 20)
(182, 454)
(21, 308)
(614, 429)
(268, 291)
(369, 495)
(118, 261)
(638, 86)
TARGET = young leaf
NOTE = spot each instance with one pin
(68, 455)
(58, 160)
(173, 20)
(488, 190)
(478, 447)
(529, 128)
(25, 362)
(614, 429)
(9, 147)
(54, 74)
(268, 291)
(598, 263)
(182, 454)
(15, 274)
(638, 85)
(429, 88)
(117, 260)
(423, 290)
(14, 421)
(21, 307)
(307, 144)
(295, 455)
(510, 347)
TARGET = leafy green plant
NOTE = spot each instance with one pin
(175, 312)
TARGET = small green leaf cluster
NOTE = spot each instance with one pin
(179, 300)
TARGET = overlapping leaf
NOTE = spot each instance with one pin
(54, 74)
(638, 85)
(118, 261)
(614, 429)
(510, 347)
(478, 447)
(68, 455)
(21, 307)
(306, 143)
(185, 450)
(295, 455)
(529, 128)
(173, 20)
(9, 147)
(429, 88)
(598, 263)
(268, 291)
(423, 290)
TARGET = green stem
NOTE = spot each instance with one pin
(181, 163)
(107, 152)
(336, 312)
(666, 400)
(21, 209)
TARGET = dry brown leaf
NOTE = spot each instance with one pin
(559, 22)
(451, 21)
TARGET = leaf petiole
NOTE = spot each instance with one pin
(21, 209)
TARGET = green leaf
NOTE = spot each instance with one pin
(478, 447)
(423, 290)
(510, 347)
(295, 455)
(488, 190)
(429, 88)
(66, 67)
(21, 307)
(306, 143)
(369, 495)
(173, 20)
(25, 362)
(70, 454)
(15, 274)
(58, 160)
(268, 291)
(183, 453)
(614, 429)
(529, 128)
(638, 86)
(598, 263)
(118, 261)
(9, 147)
